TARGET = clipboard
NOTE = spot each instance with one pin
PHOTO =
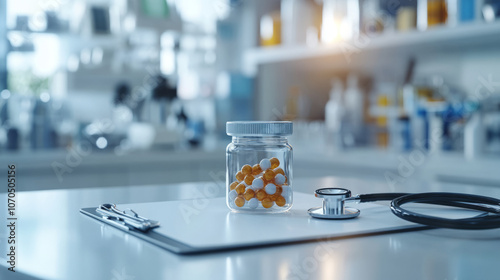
(207, 225)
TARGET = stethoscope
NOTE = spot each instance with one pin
(334, 200)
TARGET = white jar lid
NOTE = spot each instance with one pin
(255, 128)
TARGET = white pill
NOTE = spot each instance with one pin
(270, 188)
(265, 164)
(287, 191)
(257, 184)
(232, 204)
(279, 179)
(253, 203)
(232, 195)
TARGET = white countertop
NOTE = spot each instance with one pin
(55, 241)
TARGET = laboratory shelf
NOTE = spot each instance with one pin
(436, 39)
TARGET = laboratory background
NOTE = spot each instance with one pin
(127, 101)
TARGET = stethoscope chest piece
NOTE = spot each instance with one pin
(333, 205)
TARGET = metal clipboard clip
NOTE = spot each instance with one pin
(124, 220)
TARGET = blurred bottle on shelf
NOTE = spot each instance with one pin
(270, 29)
(474, 137)
(437, 12)
(43, 135)
(340, 20)
(452, 10)
(233, 99)
(334, 115)
(406, 18)
(467, 10)
(354, 104)
(382, 133)
(402, 139)
(490, 10)
(298, 19)
(371, 20)
(489, 127)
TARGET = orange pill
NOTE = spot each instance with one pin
(279, 190)
(280, 201)
(261, 194)
(256, 170)
(233, 185)
(274, 162)
(240, 189)
(273, 197)
(240, 176)
(239, 201)
(249, 194)
(279, 171)
(246, 169)
(269, 175)
(249, 179)
(267, 202)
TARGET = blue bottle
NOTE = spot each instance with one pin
(467, 10)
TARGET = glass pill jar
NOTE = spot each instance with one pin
(259, 167)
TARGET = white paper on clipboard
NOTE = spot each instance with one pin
(203, 225)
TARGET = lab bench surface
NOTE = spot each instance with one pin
(55, 241)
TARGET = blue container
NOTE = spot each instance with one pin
(467, 10)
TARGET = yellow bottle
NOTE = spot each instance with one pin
(270, 29)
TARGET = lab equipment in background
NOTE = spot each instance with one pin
(259, 167)
(140, 136)
(407, 95)
(474, 137)
(491, 10)
(453, 126)
(43, 135)
(13, 139)
(382, 132)
(489, 110)
(9, 135)
(402, 138)
(270, 29)
(436, 12)
(420, 129)
(155, 8)
(195, 130)
(233, 99)
(340, 21)
(334, 115)
(298, 105)
(467, 10)
(453, 14)
(298, 18)
(421, 15)
(163, 94)
(354, 104)
(406, 18)
(371, 20)
(129, 107)
(101, 135)
(492, 124)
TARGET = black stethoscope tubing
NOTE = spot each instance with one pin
(489, 219)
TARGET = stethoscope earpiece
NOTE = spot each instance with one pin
(333, 205)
